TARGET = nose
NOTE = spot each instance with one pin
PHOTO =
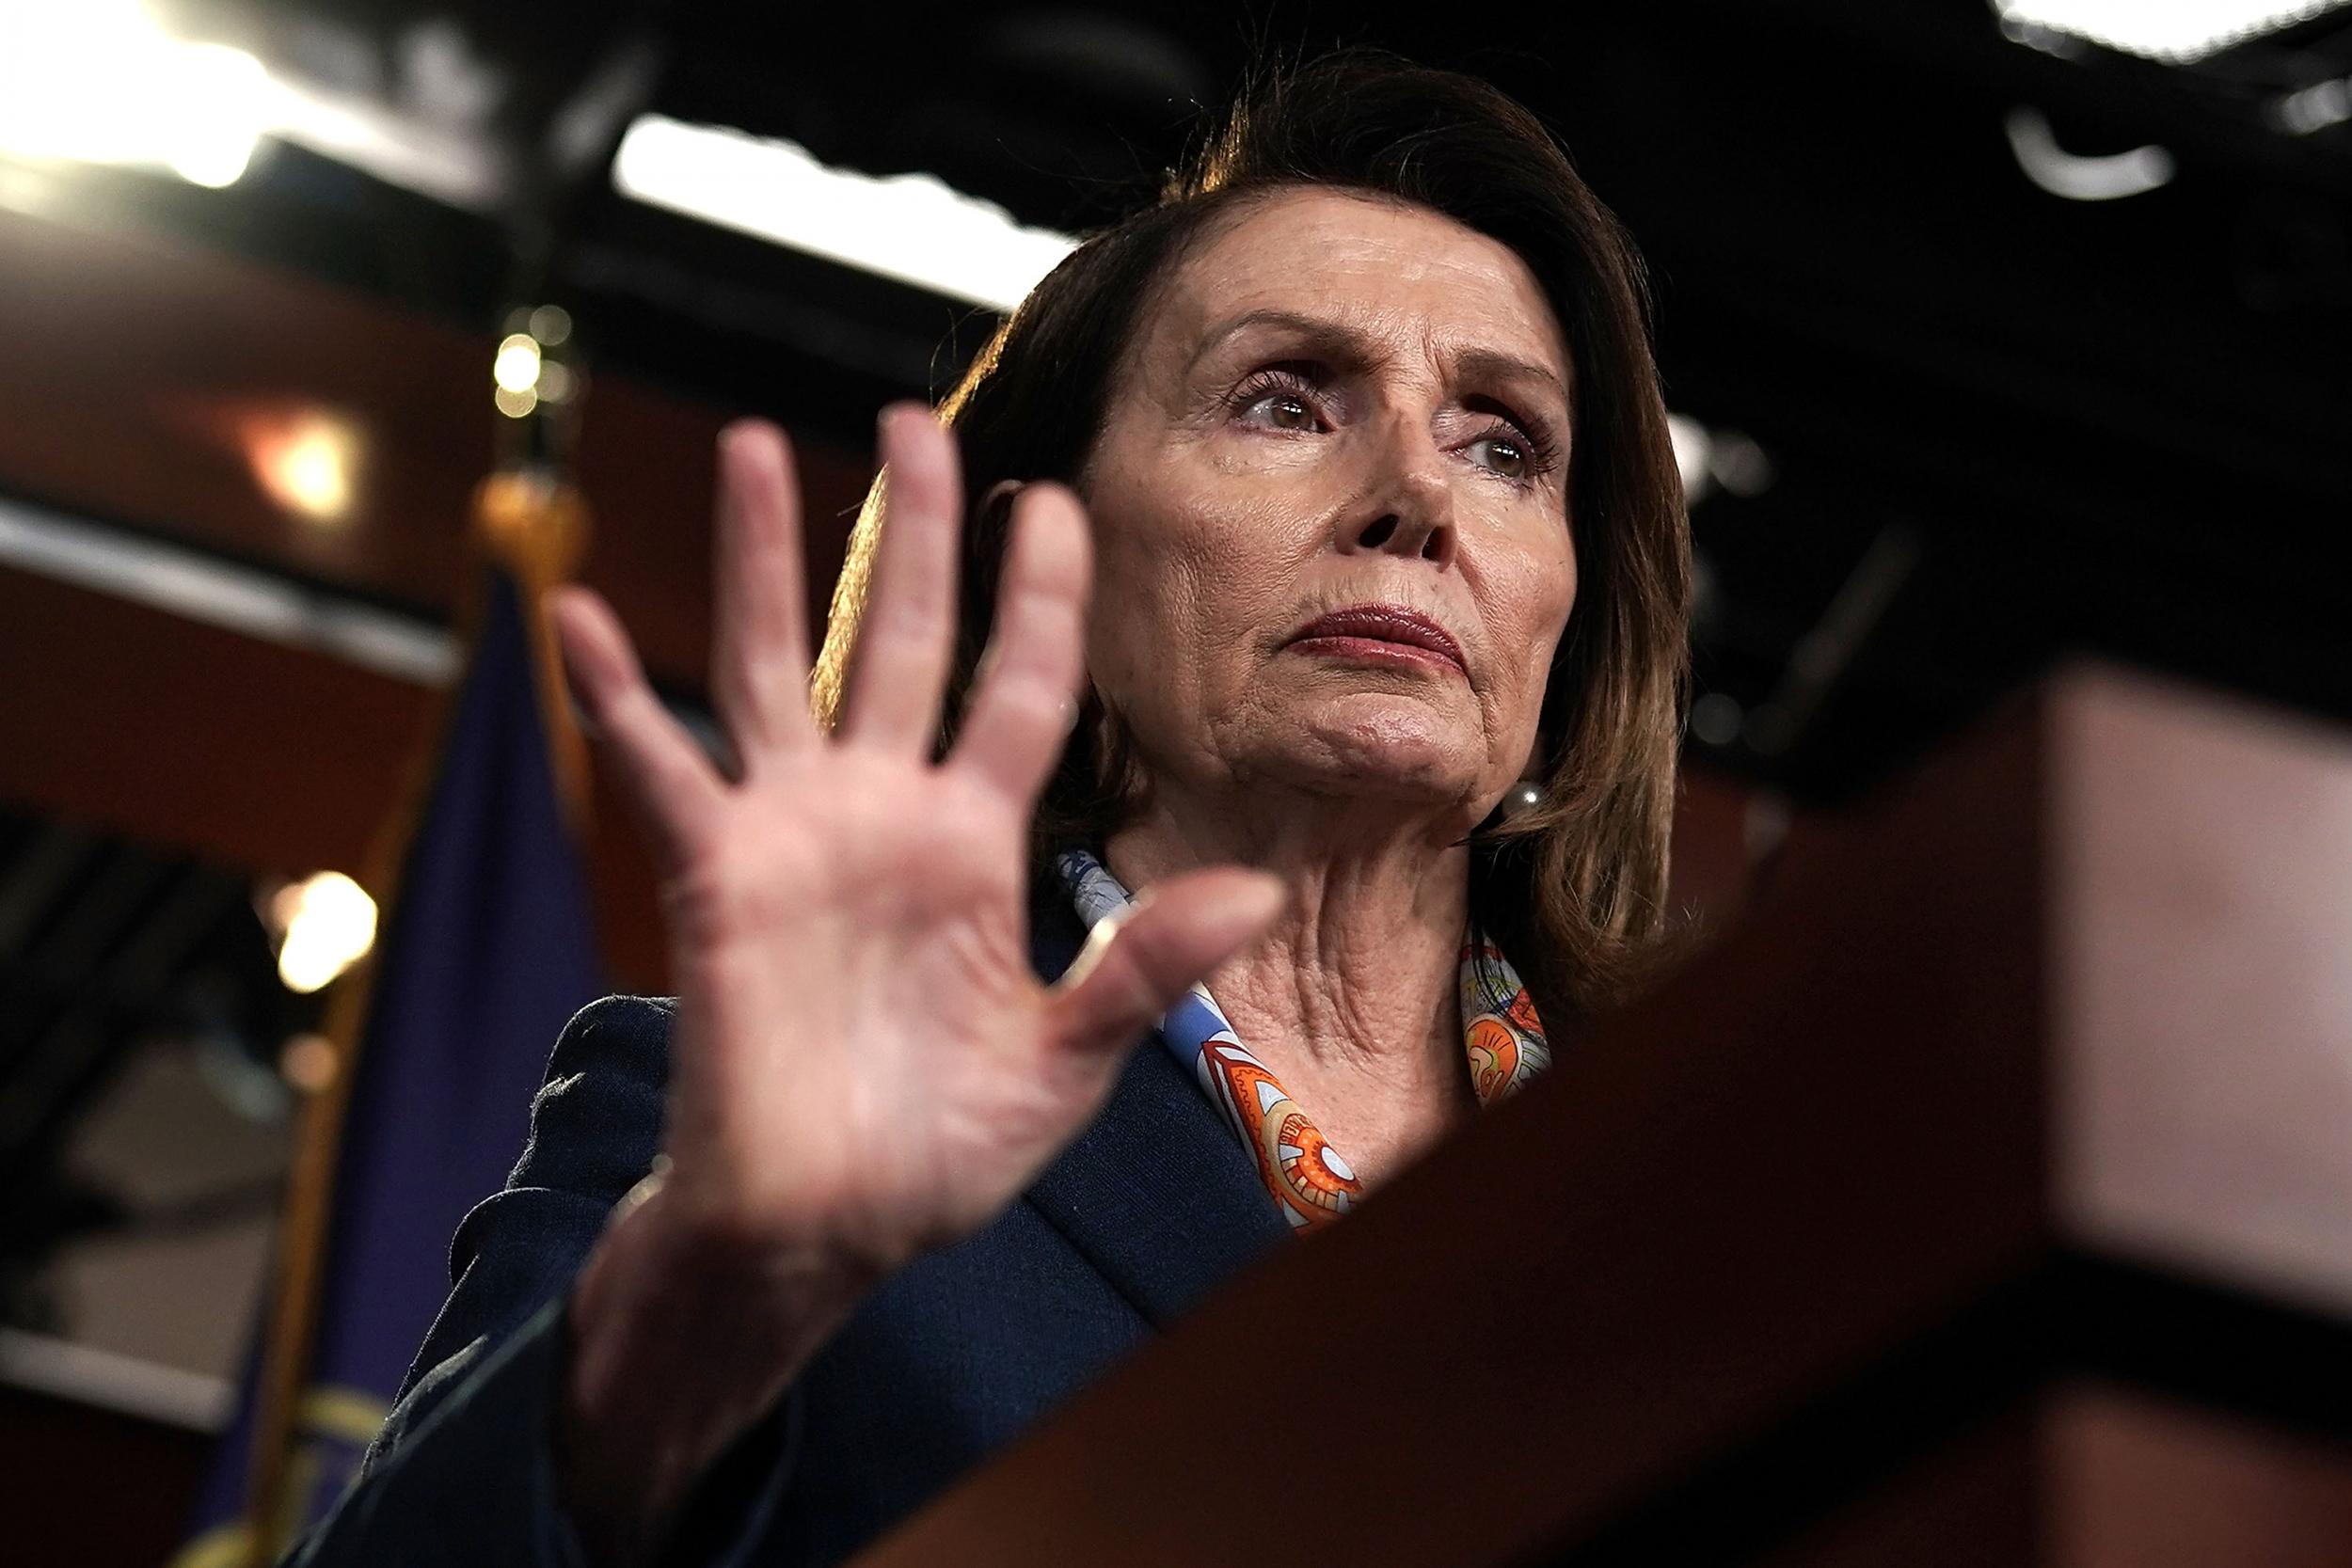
(1407, 509)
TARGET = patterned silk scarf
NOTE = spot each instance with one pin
(1308, 1178)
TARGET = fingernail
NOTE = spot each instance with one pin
(903, 411)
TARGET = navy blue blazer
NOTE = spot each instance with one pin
(1155, 1203)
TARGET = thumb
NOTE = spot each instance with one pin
(1137, 963)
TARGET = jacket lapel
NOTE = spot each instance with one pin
(1156, 1194)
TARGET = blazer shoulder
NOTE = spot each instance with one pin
(595, 1122)
(617, 1031)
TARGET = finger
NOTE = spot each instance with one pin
(1029, 677)
(760, 649)
(662, 773)
(1176, 933)
(908, 630)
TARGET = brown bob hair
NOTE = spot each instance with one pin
(1573, 889)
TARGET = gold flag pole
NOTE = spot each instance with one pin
(530, 520)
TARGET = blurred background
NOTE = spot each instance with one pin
(1994, 331)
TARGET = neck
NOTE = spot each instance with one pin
(1352, 998)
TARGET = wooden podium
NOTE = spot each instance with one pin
(1984, 1195)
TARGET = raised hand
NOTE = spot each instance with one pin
(863, 1064)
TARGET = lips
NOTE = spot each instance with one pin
(1381, 623)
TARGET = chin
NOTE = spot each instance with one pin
(1395, 748)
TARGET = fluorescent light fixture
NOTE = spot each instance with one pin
(102, 82)
(181, 581)
(444, 162)
(2313, 108)
(2176, 31)
(98, 82)
(90, 1376)
(910, 227)
(2108, 176)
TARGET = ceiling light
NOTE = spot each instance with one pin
(98, 82)
(910, 227)
(516, 368)
(1691, 451)
(1711, 459)
(329, 924)
(306, 464)
(1715, 719)
(2177, 31)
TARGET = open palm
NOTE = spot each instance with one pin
(863, 1060)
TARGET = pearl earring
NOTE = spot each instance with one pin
(1521, 798)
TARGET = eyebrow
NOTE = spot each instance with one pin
(1338, 341)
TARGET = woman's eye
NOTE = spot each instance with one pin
(1505, 454)
(1286, 398)
(1285, 411)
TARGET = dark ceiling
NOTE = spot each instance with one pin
(2001, 424)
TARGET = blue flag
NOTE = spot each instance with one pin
(487, 950)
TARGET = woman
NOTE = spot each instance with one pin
(1384, 523)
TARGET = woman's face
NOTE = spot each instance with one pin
(1338, 402)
